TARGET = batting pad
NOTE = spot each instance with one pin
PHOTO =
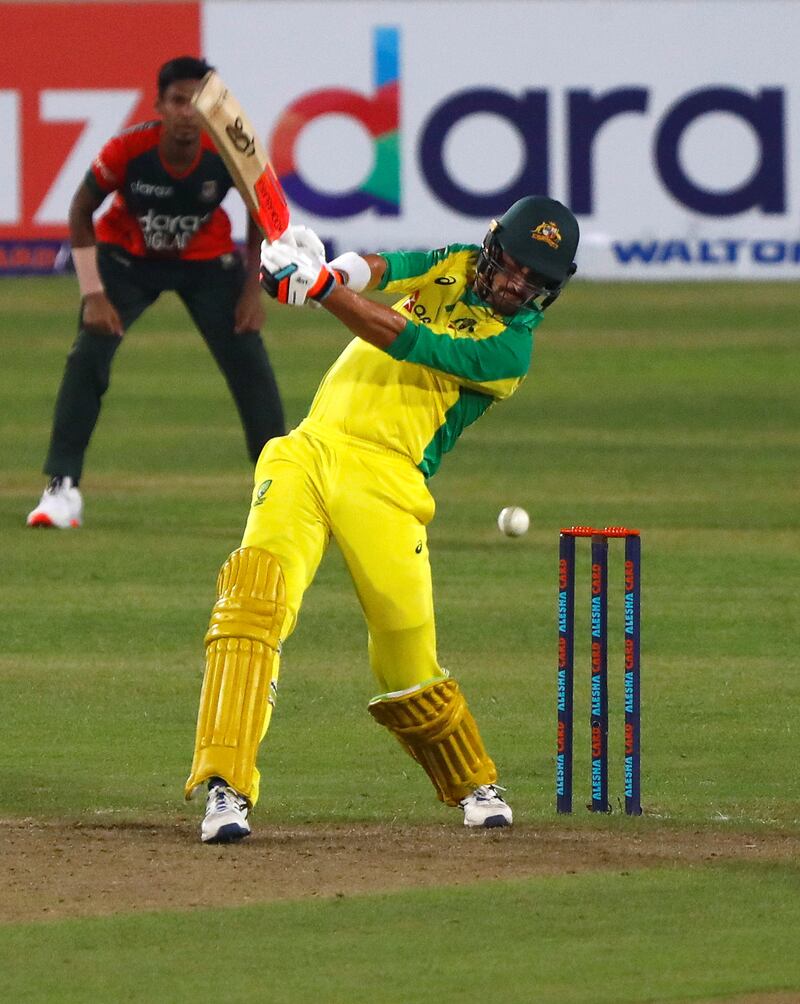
(434, 725)
(242, 646)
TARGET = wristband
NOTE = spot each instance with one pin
(354, 269)
(324, 286)
(85, 261)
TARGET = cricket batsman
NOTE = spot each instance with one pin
(458, 339)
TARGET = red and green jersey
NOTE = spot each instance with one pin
(453, 359)
(157, 213)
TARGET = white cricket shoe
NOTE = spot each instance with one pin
(485, 807)
(60, 506)
(225, 820)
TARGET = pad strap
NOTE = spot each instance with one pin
(242, 658)
(434, 724)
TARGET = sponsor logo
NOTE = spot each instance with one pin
(209, 191)
(378, 114)
(722, 251)
(421, 312)
(548, 233)
(529, 111)
(630, 616)
(159, 191)
(241, 140)
(561, 744)
(29, 257)
(418, 310)
(629, 689)
(597, 777)
(563, 573)
(562, 611)
(562, 691)
(597, 741)
(162, 232)
(596, 702)
(629, 777)
(418, 548)
(629, 692)
(597, 618)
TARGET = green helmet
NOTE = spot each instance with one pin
(539, 233)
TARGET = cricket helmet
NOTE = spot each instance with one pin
(540, 234)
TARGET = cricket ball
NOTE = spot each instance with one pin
(513, 521)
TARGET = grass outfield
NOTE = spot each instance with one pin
(559, 940)
(672, 408)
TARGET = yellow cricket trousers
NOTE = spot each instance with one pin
(376, 505)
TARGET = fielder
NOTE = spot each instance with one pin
(459, 338)
(164, 230)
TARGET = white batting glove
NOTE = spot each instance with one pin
(306, 240)
(291, 276)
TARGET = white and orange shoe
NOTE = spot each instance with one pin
(60, 506)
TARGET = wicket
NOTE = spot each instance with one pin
(599, 667)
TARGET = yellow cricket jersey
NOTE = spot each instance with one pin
(454, 358)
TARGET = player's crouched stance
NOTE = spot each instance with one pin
(357, 468)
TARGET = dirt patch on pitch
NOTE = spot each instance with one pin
(70, 869)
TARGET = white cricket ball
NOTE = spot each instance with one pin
(513, 521)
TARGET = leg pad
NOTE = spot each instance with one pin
(434, 725)
(242, 655)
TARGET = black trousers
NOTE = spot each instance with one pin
(210, 290)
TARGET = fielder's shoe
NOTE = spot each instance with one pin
(226, 816)
(485, 807)
(60, 506)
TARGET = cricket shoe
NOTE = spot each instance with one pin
(225, 820)
(486, 807)
(60, 506)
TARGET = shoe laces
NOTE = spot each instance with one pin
(58, 485)
(486, 793)
(225, 797)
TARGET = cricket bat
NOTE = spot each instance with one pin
(244, 155)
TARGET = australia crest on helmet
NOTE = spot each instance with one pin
(548, 233)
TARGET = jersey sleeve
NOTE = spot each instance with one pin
(109, 166)
(493, 365)
(405, 269)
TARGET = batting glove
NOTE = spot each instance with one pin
(306, 239)
(291, 276)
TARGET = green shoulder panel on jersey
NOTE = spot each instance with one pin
(504, 356)
(468, 409)
(404, 265)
